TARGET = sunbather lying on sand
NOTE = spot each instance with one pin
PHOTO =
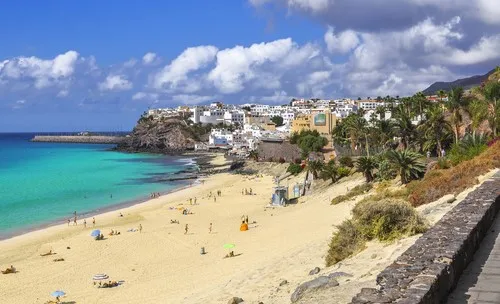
(230, 255)
(58, 260)
(48, 253)
(109, 284)
(11, 269)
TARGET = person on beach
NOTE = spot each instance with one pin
(246, 219)
(74, 221)
(195, 199)
(69, 222)
(210, 228)
(84, 223)
(140, 228)
(186, 229)
(121, 215)
(215, 199)
(93, 222)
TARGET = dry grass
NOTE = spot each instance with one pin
(346, 241)
(358, 190)
(385, 220)
(440, 182)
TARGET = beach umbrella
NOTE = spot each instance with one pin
(229, 246)
(58, 293)
(95, 233)
(100, 276)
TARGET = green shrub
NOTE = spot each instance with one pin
(346, 161)
(468, 148)
(294, 169)
(443, 163)
(358, 190)
(387, 219)
(346, 241)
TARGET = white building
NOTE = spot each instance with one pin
(232, 117)
(369, 104)
(220, 137)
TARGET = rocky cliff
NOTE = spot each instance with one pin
(166, 135)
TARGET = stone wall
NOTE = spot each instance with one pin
(80, 139)
(430, 269)
(275, 150)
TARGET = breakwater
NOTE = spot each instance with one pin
(80, 139)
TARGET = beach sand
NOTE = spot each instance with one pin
(163, 265)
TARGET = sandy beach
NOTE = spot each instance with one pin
(162, 264)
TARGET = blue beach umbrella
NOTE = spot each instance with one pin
(95, 233)
(58, 293)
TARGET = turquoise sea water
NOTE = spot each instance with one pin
(43, 182)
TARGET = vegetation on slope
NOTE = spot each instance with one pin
(384, 220)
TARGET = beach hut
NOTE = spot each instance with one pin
(280, 196)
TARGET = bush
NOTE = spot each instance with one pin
(346, 161)
(358, 190)
(387, 219)
(346, 241)
(294, 169)
(469, 147)
(443, 163)
(438, 183)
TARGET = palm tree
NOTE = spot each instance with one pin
(404, 126)
(315, 166)
(479, 112)
(330, 171)
(408, 164)
(254, 155)
(492, 94)
(366, 165)
(441, 94)
(455, 103)
(356, 126)
(385, 132)
(435, 128)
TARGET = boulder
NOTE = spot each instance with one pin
(318, 283)
(235, 300)
(314, 271)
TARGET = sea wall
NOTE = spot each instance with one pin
(85, 139)
(429, 270)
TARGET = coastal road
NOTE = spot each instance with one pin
(480, 282)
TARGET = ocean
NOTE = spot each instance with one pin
(44, 183)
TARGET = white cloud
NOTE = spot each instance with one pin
(44, 72)
(63, 93)
(239, 65)
(149, 58)
(145, 96)
(115, 83)
(21, 101)
(489, 11)
(312, 5)
(130, 63)
(174, 75)
(343, 42)
(485, 50)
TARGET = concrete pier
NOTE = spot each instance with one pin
(80, 139)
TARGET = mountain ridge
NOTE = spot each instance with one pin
(466, 83)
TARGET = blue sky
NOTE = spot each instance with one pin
(97, 65)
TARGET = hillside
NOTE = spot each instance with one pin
(466, 83)
(167, 135)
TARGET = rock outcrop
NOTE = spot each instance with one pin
(167, 135)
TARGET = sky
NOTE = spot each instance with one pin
(97, 65)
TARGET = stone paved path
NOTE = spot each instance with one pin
(480, 282)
